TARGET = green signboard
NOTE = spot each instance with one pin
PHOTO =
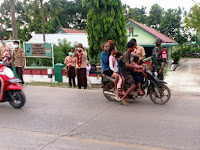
(38, 49)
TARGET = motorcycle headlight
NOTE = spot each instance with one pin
(8, 72)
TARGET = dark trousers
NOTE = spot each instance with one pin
(71, 75)
(81, 76)
(20, 74)
(70, 81)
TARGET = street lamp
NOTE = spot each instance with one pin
(42, 17)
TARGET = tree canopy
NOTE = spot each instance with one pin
(192, 19)
(62, 13)
(105, 21)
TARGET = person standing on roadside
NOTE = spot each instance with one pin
(81, 58)
(70, 68)
(157, 61)
(19, 60)
(6, 53)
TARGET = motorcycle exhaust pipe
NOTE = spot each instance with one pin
(109, 93)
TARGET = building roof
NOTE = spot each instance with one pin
(154, 32)
(67, 30)
(54, 38)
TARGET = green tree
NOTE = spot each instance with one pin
(105, 20)
(192, 19)
(171, 23)
(155, 16)
(137, 14)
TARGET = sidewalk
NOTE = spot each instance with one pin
(186, 78)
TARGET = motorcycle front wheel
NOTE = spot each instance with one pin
(163, 97)
(16, 99)
(109, 91)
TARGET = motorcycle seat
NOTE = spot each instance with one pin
(108, 78)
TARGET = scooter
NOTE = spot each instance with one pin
(157, 90)
(10, 89)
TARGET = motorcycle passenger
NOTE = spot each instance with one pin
(138, 75)
(139, 51)
(128, 68)
(119, 57)
(105, 64)
(114, 68)
(157, 61)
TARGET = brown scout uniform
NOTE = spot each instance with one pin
(9, 53)
(19, 58)
(19, 62)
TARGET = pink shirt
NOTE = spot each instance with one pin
(113, 63)
(88, 67)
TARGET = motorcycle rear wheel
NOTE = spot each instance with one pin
(164, 93)
(16, 99)
(109, 87)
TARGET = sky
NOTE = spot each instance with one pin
(166, 4)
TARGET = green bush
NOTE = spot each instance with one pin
(176, 56)
(187, 50)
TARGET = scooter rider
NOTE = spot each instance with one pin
(128, 70)
(6, 53)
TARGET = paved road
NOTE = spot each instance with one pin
(61, 118)
(186, 78)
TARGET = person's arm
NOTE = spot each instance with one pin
(23, 58)
(11, 56)
(66, 62)
(143, 54)
(75, 53)
(104, 58)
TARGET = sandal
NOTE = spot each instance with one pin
(117, 99)
(141, 93)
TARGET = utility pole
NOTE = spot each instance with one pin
(14, 26)
(42, 17)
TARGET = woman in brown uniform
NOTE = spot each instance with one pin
(81, 57)
(70, 63)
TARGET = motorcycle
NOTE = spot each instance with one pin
(10, 90)
(157, 90)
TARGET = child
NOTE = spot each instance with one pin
(138, 75)
(70, 63)
(88, 67)
(119, 57)
(112, 65)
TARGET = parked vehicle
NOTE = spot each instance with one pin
(196, 55)
(157, 90)
(10, 89)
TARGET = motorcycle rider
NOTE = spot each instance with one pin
(6, 53)
(128, 71)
